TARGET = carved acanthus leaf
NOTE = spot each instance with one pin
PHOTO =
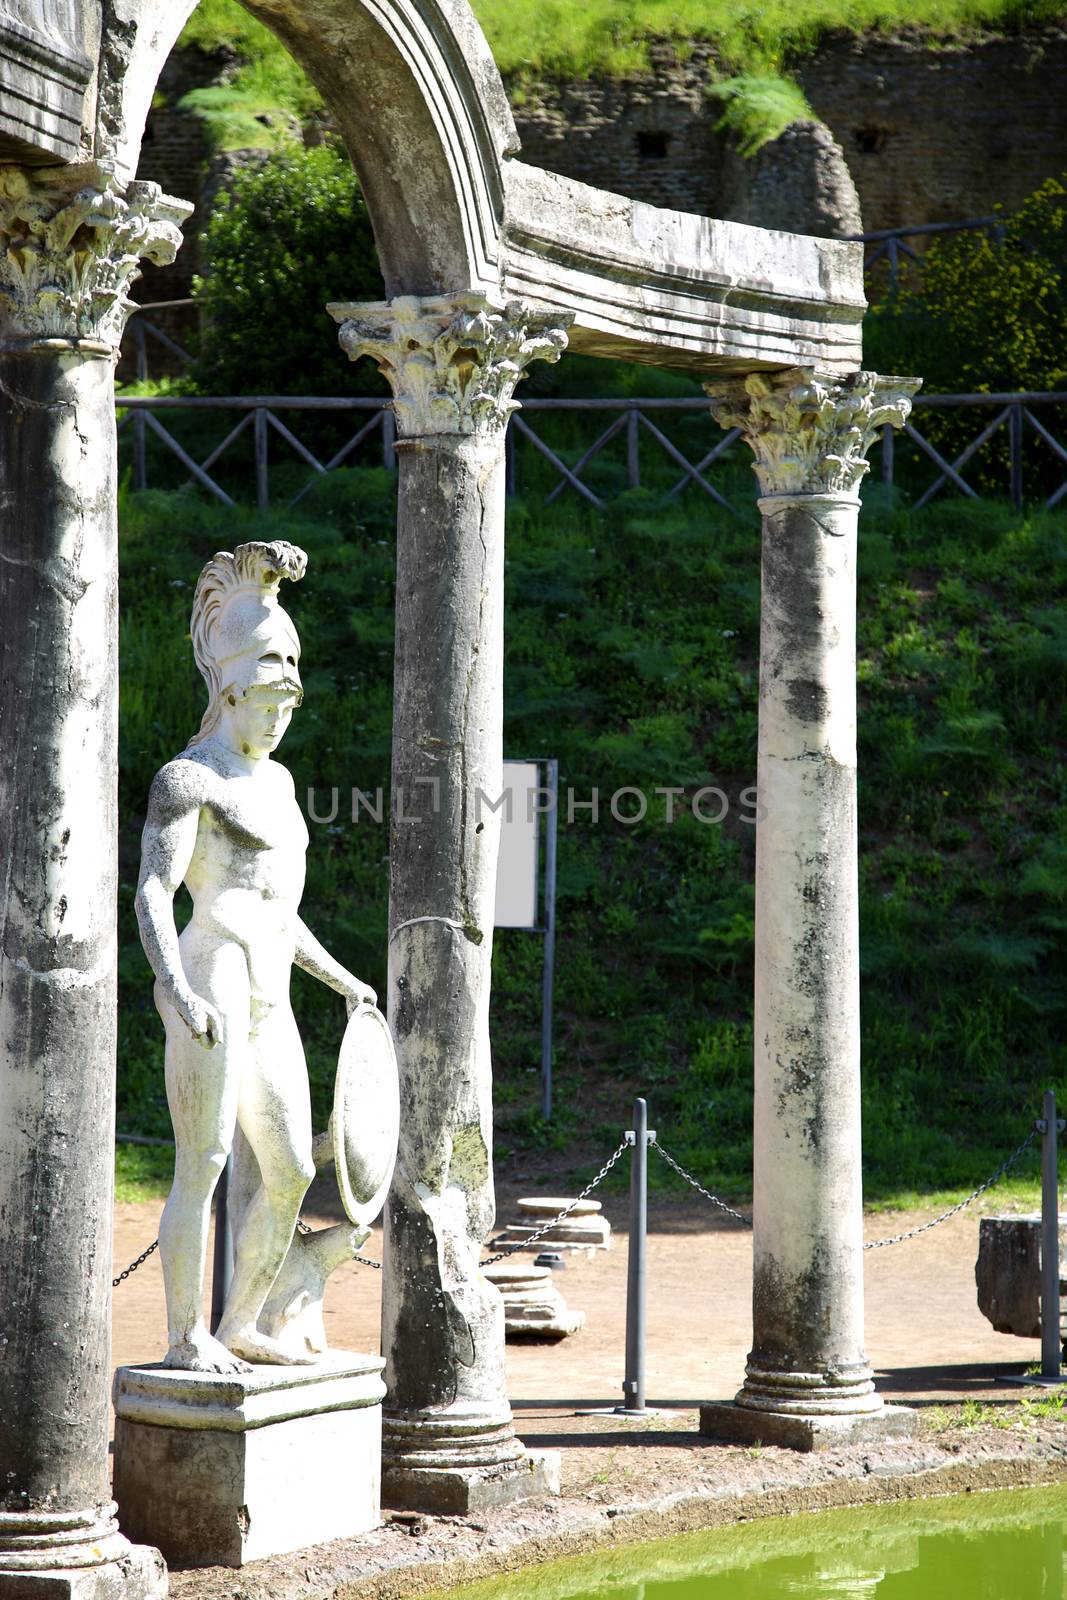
(452, 361)
(71, 243)
(810, 433)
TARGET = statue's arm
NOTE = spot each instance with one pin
(167, 846)
(313, 957)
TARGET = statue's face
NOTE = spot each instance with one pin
(259, 717)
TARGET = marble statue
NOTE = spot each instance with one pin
(223, 820)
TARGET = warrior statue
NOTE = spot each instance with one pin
(223, 819)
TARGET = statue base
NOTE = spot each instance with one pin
(736, 1424)
(222, 1470)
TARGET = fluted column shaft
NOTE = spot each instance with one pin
(810, 437)
(70, 240)
(453, 363)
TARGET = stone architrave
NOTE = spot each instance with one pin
(70, 243)
(453, 363)
(808, 1381)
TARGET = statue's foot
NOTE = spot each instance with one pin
(256, 1346)
(201, 1353)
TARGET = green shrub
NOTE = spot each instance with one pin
(265, 325)
(987, 314)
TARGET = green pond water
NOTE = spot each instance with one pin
(1002, 1546)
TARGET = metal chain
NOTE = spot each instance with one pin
(141, 1259)
(364, 1261)
(699, 1187)
(539, 1233)
(899, 1238)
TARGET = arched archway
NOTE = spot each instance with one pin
(420, 106)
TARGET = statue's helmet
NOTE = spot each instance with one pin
(242, 639)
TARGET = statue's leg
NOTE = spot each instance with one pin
(202, 1090)
(274, 1111)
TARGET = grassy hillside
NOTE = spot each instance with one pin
(532, 38)
(632, 655)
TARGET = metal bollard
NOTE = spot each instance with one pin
(222, 1258)
(633, 1386)
(1049, 1126)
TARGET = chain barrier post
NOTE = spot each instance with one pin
(1049, 1127)
(222, 1260)
(633, 1386)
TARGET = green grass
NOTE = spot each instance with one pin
(142, 1172)
(632, 642)
(557, 38)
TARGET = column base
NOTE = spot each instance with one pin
(222, 1470)
(137, 1574)
(738, 1424)
(460, 1459)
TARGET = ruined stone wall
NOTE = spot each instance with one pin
(936, 134)
(931, 133)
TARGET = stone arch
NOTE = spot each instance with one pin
(416, 94)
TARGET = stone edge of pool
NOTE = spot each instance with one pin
(421, 1556)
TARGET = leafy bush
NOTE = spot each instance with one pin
(291, 234)
(989, 311)
(986, 314)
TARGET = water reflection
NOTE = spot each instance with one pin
(1004, 1546)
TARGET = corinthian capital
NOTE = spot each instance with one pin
(809, 432)
(71, 242)
(452, 361)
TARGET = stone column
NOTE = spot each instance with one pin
(453, 363)
(808, 1381)
(70, 240)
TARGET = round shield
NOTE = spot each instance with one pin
(365, 1123)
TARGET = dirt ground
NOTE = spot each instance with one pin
(925, 1335)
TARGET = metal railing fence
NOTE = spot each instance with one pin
(633, 423)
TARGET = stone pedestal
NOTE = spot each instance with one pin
(585, 1229)
(453, 363)
(1008, 1273)
(810, 436)
(220, 1471)
(533, 1306)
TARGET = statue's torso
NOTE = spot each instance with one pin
(246, 874)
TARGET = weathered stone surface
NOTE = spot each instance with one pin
(71, 243)
(45, 73)
(734, 1422)
(679, 290)
(1008, 1273)
(809, 437)
(139, 1574)
(462, 1458)
(533, 1305)
(453, 367)
(584, 1229)
(226, 1470)
(798, 183)
(69, 246)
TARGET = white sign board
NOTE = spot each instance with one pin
(516, 873)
